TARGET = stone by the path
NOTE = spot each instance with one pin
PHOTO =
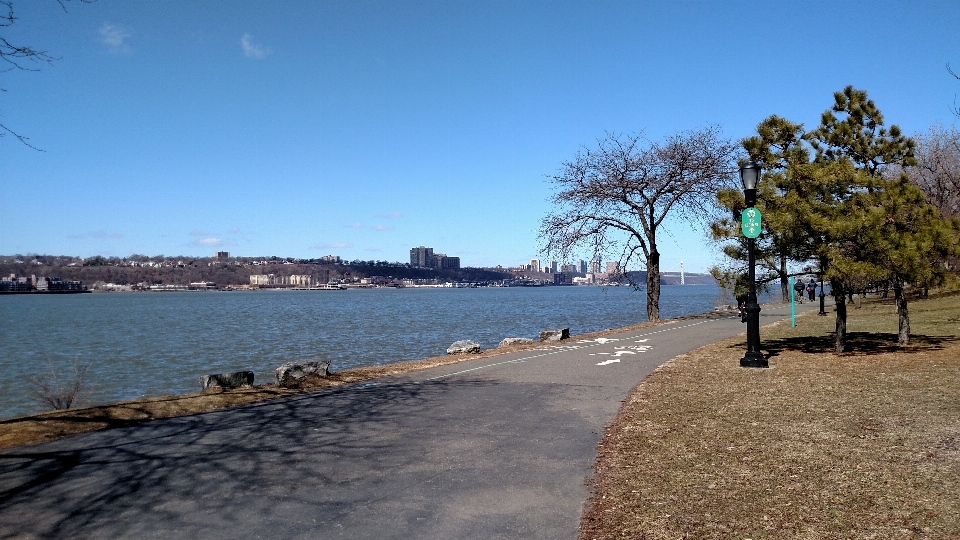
(296, 371)
(227, 380)
(514, 341)
(464, 346)
(555, 335)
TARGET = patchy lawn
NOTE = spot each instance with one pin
(860, 445)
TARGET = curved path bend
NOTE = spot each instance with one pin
(490, 448)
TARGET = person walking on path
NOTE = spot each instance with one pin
(798, 287)
(812, 290)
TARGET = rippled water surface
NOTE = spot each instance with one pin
(142, 344)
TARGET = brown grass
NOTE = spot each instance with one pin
(861, 445)
(64, 423)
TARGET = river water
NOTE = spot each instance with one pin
(148, 344)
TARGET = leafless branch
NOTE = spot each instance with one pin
(628, 186)
(50, 391)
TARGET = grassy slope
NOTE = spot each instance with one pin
(861, 445)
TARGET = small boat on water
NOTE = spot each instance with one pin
(328, 287)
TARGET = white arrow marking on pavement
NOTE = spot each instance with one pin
(605, 362)
(618, 353)
(642, 341)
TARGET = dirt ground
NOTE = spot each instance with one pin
(860, 445)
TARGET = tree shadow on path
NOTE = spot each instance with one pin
(216, 471)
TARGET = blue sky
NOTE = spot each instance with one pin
(363, 129)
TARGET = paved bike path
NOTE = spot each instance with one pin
(497, 447)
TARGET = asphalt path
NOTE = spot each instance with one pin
(498, 447)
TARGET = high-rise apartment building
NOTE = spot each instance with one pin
(534, 265)
(443, 262)
(595, 266)
(554, 266)
(583, 268)
(422, 257)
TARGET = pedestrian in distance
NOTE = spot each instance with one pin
(798, 287)
(812, 290)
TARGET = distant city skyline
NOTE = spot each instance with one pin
(363, 128)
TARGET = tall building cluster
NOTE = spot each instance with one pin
(424, 257)
(581, 267)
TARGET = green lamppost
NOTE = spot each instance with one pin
(750, 222)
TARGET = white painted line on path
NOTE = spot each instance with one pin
(552, 350)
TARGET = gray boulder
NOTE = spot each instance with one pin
(507, 342)
(555, 335)
(464, 346)
(296, 371)
(227, 380)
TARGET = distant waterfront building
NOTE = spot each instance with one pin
(534, 265)
(300, 281)
(595, 266)
(330, 259)
(569, 269)
(221, 255)
(582, 266)
(422, 257)
(613, 268)
(554, 267)
(295, 280)
(202, 285)
(444, 262)
(262, 279)
(14, 283)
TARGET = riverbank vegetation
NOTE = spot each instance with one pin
(862, 444)
(234, 271)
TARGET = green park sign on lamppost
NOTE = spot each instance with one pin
(750, 222)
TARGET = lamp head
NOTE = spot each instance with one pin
(750, 175)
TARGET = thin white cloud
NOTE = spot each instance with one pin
(99, 235)
(355, 226)
(112, 36)
(333, 245)
(210, 242)
(253, 50)
(382, 228)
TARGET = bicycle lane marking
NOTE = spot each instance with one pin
(581, 344)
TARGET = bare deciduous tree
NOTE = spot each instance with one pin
(20, 57)
(937, 171)
(615, 198)
(54, 392)
(956, 110)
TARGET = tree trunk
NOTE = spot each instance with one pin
(840, 335)
(653, 285)
(785, 291)
(903, 336)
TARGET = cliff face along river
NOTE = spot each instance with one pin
(145, 344)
